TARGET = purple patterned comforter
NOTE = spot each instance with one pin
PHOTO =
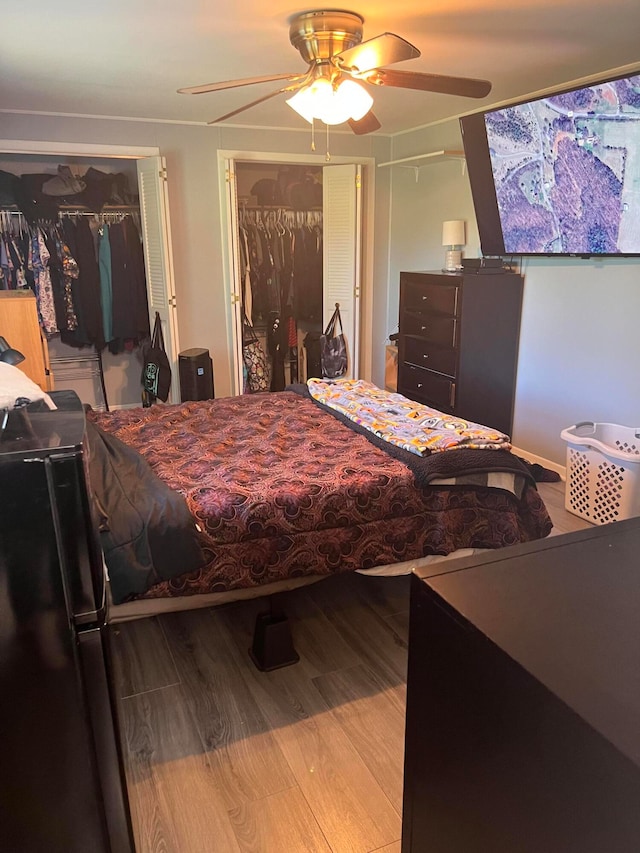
(281, 488)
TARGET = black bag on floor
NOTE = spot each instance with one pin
(311, 344)
(333, 348)
(156, 371)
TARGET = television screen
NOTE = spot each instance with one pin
(559, 175)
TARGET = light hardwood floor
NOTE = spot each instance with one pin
(222, 758)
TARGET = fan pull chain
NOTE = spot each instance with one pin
(327, 156)
(313, 134)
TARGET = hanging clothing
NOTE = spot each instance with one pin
(281, 257)
(70, 273)
(106, 290)
(66, 259)
(281, 280)
(89, 284)
(247, 295)
(307, 274)
(68, 269)
(129, 289)
(13, 256)
(55, 273)
(39, 264)
(78, 336)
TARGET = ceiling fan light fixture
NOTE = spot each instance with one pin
(309, 101)
(357, 98)
(332, 105)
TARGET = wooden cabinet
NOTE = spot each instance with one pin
(20, 327)
(458, 345)
(523, 699)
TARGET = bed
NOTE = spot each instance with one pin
(279, 490)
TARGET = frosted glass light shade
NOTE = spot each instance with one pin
(311, 100)
(453, 232)
(331, 105)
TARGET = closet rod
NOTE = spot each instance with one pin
(79, 209)
(286, 207)
(108, 208)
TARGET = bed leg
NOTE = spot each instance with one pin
(272, 642)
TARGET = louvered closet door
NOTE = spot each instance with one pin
(154, 208)
(342, 241)
(234, 273)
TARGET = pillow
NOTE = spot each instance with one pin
(16, 389)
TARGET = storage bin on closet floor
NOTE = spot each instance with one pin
(603, 471)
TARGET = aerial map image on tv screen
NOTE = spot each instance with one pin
(567, 171)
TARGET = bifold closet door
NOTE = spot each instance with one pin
(232, 274)
(154, 210)
(342, 246)
(342, 251)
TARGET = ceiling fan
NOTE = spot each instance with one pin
(330, 42)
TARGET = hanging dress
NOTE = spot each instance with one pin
(39, 264)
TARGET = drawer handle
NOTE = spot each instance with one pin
(419, 385)
(425, 356)
(423, 328)
(424, 298)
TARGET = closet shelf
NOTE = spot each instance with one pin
(430, 157)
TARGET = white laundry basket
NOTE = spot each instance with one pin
(603, 471)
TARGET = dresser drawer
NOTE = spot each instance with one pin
(423, 353)
(426, 386)
(434, 327)
(423, 296)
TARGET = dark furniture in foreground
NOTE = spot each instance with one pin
(458, 344)
(523, 699)
(61, 771)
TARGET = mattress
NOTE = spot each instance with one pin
(281, 489)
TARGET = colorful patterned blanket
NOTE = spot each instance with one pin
(403, 422)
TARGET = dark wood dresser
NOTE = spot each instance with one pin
(523, 699)
(458, 344)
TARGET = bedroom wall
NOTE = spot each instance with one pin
(193, 185)
(579, 347)
(579, 341)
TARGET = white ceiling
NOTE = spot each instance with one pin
(127, 57)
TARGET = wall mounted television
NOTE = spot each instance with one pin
(559, 175)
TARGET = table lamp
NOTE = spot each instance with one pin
(453, 238)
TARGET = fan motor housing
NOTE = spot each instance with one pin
(321, 34)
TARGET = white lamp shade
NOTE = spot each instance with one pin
(453, 232)
(331, 105)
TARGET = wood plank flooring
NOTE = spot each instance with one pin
(223, 758)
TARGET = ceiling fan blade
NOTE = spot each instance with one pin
(258, 101)
(381, 50)
(468, 87)
(367, 124)
(244, 81)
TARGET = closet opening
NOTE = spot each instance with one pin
(295, 234)
(281, 270)
(78, 230)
